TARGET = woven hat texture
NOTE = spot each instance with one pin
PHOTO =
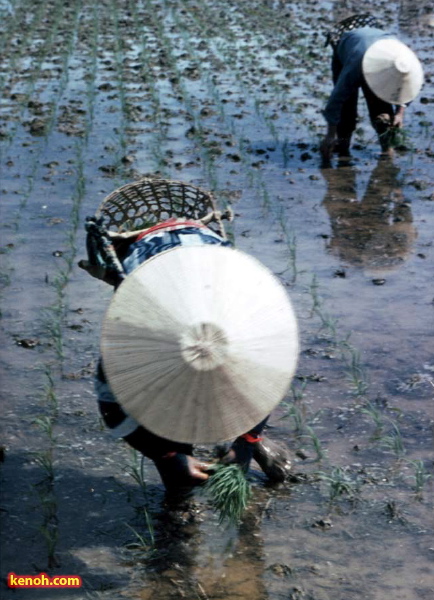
(200, 343)
(392, 71)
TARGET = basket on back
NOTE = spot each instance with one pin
(146, 202)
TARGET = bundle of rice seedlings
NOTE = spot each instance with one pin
(229, 492)
(399, 137)
(396, 137)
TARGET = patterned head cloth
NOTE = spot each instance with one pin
(354, 22)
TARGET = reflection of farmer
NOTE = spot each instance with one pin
(376, 232)
(173, 459)
(390, 75)
(181, 541)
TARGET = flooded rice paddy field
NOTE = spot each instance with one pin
(227, 95)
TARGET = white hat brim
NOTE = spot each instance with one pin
(200, 344)
(392, 71)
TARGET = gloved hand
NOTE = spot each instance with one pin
(96, 271)
(95, 233)
(99, 272)
(102, 262)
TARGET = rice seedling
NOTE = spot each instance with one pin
(44, 458)
(393, 441)
(45, 489)
(396, 137)
(351, 357)
(229, 492)
(136, 470)
(55, 314)
(297, 415)
(48, 502)
(54, 330)
(297, 391)
(50, 533)
(290, 240)
(376, 416)
(297, 412)
(339, 484)
(272, 128)
(329, 325)
(45, 424)
(356, 371)
(420, 477)
(316, 300)
(50, 397)
(316, 443)
(141, 546)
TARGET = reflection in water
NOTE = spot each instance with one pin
(185, 563)
(169, 570)
(240, 575)
(376, 231)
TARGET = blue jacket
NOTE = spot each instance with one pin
(350, 51)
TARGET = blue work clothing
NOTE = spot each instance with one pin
(341, 108)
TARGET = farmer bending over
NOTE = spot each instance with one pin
(178, 469)
(388, 72)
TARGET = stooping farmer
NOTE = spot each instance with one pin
(192, 352)
(388, 72)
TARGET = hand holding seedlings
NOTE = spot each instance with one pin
(229, 492)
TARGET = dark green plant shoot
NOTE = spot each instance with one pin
(229, 492)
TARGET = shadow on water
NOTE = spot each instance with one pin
(92, 518)
(119, 541)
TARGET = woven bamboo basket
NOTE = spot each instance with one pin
(146, 202)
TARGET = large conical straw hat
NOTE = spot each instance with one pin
(200, 343)
(392, 71)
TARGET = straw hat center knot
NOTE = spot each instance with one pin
(402, 65)
(204, 346)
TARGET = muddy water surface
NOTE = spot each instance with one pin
(225, 95)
